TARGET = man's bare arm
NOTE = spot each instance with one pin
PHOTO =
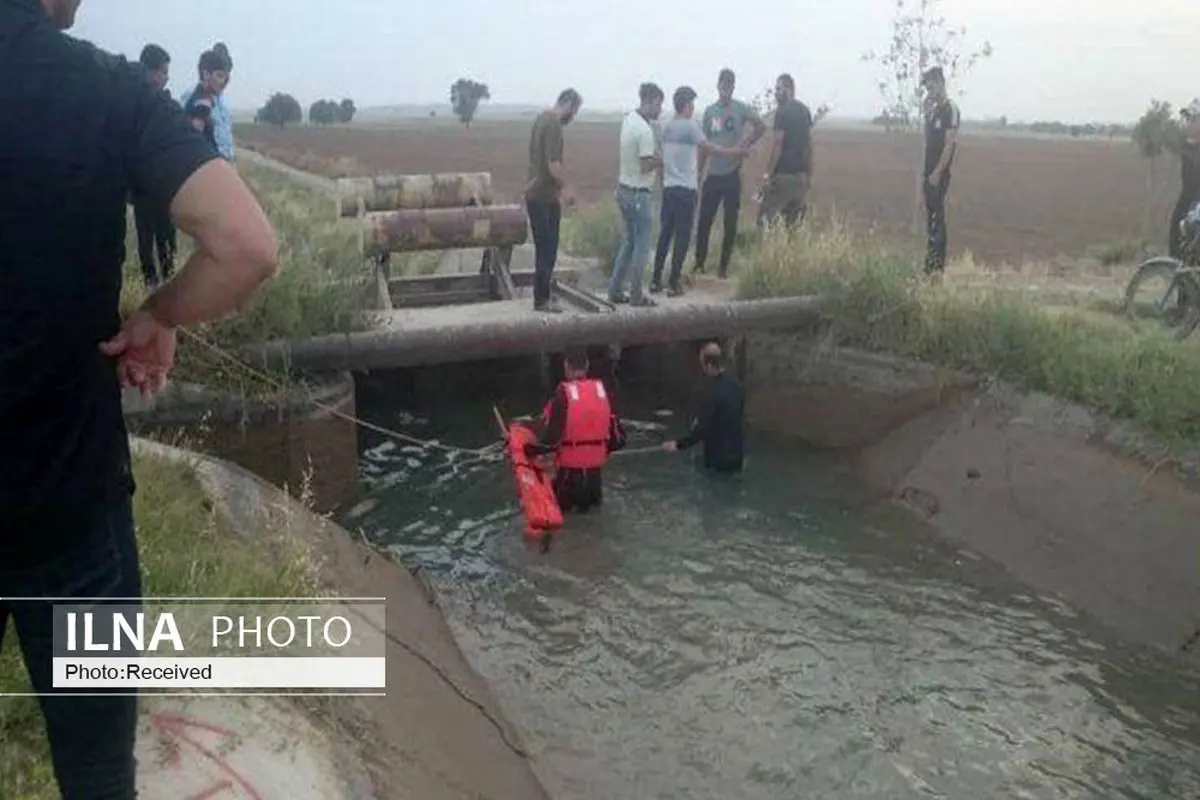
(757, 129)
(777, 137)
(947, 151)
(235, 251)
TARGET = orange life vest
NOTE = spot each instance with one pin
(585, 435)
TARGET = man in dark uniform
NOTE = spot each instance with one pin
(718, 421)
(941, 140)
(580, 429)
(1189, 182)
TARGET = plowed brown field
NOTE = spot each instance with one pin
(1013, 198)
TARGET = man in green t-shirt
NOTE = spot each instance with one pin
(725, 124)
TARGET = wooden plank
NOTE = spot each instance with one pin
(426, 284)
(454, 297)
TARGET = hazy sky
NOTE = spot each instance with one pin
(1054, 59)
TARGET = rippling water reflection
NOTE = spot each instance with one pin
(774, 637)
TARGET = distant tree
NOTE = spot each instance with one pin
(920, 40)
(465, 96)
(281, 109)
(346, 110)
(1157, 133)
(323, 112)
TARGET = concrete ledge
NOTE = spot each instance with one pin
(438, 734)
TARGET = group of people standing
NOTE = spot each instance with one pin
(208, 113)
(699, 167)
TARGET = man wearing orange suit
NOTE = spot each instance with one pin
(580, 429)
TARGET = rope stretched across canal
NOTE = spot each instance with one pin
(260, 375)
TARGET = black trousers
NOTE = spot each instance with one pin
(719, 191)
(545, 218)
(1175, 241)
(935, 223)
(676, 218)
(578, 489)
(155, 231)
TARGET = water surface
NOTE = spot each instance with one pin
(773, 637)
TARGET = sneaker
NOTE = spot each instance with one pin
(655, 287)
(675, 290)
(548, 307)
(618, 299)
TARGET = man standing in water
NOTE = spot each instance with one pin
(725, 123)
(547, 191)
(941, 140)
(718, 422)
(580, 429)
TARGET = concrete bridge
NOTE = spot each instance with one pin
(478, 302)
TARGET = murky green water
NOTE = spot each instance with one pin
(774, 637)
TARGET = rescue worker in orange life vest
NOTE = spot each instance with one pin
(580, 429)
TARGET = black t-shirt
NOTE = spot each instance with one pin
(718, 423)
(81, 129)
(199, 112)
(795, 121)
(938, 120)
(1189, 179)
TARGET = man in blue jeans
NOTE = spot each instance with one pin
(83, 129)
(640, 161)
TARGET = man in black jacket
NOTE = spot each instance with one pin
(718, 422)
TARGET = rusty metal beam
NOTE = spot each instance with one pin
(464, 340)
(443, 229)
(581, 298)
(494, 264)
(451, 297)
(432, 284)
(395, 192)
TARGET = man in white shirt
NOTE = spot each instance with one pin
(639, 164)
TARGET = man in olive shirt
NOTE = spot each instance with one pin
(789, 168)
(546, 192)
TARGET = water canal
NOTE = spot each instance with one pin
(776, 637)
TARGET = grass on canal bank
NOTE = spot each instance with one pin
(975, 322)
(323, 287)
(880, 301)
(186, 550)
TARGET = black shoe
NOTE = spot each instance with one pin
(675, 290)
(643, 302)
(723, 273)
(655, 287)
(548, 307)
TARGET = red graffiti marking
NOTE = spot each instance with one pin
(212, 791)
(175, 729)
